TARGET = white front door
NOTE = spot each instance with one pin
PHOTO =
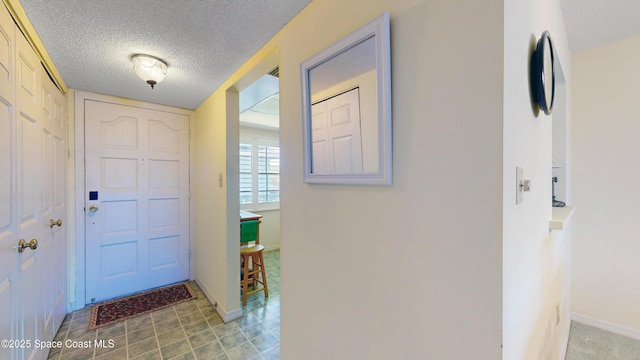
(137, 199)
(336, 134)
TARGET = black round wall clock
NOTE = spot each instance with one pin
(543, 77)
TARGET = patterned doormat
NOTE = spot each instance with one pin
(113, 311)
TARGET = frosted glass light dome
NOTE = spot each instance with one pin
(149, 68)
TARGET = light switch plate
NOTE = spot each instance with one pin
(519, 184)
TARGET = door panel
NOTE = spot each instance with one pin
(137, 162)
(41, 194)
(9, 311)
(32, 189)
(28, 192)
(7, 206)
(336, 134)
(320, 136)
(30, 195)
(7, 74)
(6, 165)
(52, 281)
(32, 328)
(45, 248)
(9, 288)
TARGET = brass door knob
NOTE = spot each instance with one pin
(55, 222)
(33, 244)
(93, 208)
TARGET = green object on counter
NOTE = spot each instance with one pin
(248, 230)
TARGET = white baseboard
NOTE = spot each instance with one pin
(605, 325)
(566, 329)
(271, 247)
(230, 316)
(226, 316)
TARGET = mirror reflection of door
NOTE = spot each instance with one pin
(344, 129)
(337, 145)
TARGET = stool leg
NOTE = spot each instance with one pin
(245, 281)
(264, 275)
(254, 281)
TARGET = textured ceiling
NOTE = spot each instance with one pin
(203, 41)
(593, 23)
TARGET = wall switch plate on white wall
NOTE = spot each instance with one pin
(522, 184)
(519, 184)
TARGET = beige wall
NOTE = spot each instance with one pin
(606, 175)
(404, 271)
(410, 271)
(270, 229)
(536, 262)
(211, 210)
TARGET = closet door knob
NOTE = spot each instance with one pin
(22, 244)
(55, 222)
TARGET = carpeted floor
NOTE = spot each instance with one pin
(590, 343)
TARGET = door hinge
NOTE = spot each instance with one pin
(189, 254)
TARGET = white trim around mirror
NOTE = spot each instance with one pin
(378, 29)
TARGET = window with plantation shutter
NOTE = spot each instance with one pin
(246, 174)
(268, 174)
(259, 176)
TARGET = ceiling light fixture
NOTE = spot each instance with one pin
(149, 68)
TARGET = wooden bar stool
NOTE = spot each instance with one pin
(253, 272)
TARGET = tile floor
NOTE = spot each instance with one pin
(190, 330)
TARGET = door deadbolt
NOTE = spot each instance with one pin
(22, 244)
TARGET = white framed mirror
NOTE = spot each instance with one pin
(346, 102)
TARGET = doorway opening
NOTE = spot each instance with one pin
(253, 103)
(259, 174)
(253, 132)
(259, 152)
